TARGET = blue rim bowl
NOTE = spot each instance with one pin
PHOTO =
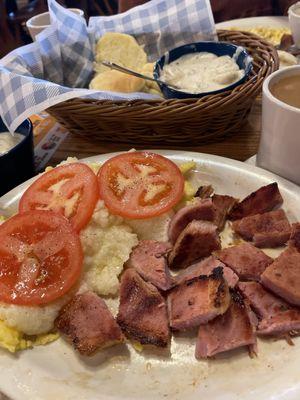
(243, 59)
(17, 165)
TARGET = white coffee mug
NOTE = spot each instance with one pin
(279, 148)
(39, 22)
(294, 20)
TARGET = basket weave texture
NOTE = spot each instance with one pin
(173, 122)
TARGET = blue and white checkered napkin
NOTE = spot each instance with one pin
(59, 65)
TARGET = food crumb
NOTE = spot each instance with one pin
(148, 366)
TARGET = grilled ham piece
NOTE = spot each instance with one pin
(247, 261)
(198, 300)
(228, 331)
(88, 324)
(295, 236)
(276, 317)
(149, 259)
(282, 277)
(201, 209)
(262, 200)
(204, 191)
(142, 311)
(198, 240)
(206, 267)
(223, 205)
(271, 229)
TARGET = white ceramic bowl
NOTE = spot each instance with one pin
(294, 20)
(39, 22)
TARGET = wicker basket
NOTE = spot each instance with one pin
(172, 122)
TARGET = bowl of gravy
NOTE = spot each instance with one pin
(279, 148)
(201, 69)
(16, 156)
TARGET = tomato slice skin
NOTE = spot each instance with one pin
(40, 258)
(79, 188)
(140, 185)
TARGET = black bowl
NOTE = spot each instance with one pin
(243, 60)
(17, 165)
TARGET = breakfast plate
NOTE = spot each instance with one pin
(253, 22)
(56, 371)
(271, 28)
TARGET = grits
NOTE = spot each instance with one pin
(107, 243)
(32, 320)
(155, 228)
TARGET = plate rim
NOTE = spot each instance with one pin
(267, 19)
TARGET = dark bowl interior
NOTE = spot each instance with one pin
(219, 48)
(17, 165)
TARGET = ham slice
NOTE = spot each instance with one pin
(282, 277)
(226, 332)
(206, 267)
(271, 229)
(276, 317)
(223, 205)
(247, 261)
(201, 209)
(198, 240)
(198, 300)
(88, 324)
(262, 200)
(295, 236)
(142, 311)
(204, 191)
(149, 258)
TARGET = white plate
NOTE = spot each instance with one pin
(253, 22)
(57, 372)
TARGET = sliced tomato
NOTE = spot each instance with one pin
(140, 184)
(71, 190)
(40, 258)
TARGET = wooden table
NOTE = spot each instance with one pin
(240, 146)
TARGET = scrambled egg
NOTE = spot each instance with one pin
(137, 346)
(189, 190)
(273, 35)
(187, 167)
(93, 165)
(13, 340)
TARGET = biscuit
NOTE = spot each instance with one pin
(286, 59)
(148, 71)
(121, 49)
(116, 81)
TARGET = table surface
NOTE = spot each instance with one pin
(240, 146)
